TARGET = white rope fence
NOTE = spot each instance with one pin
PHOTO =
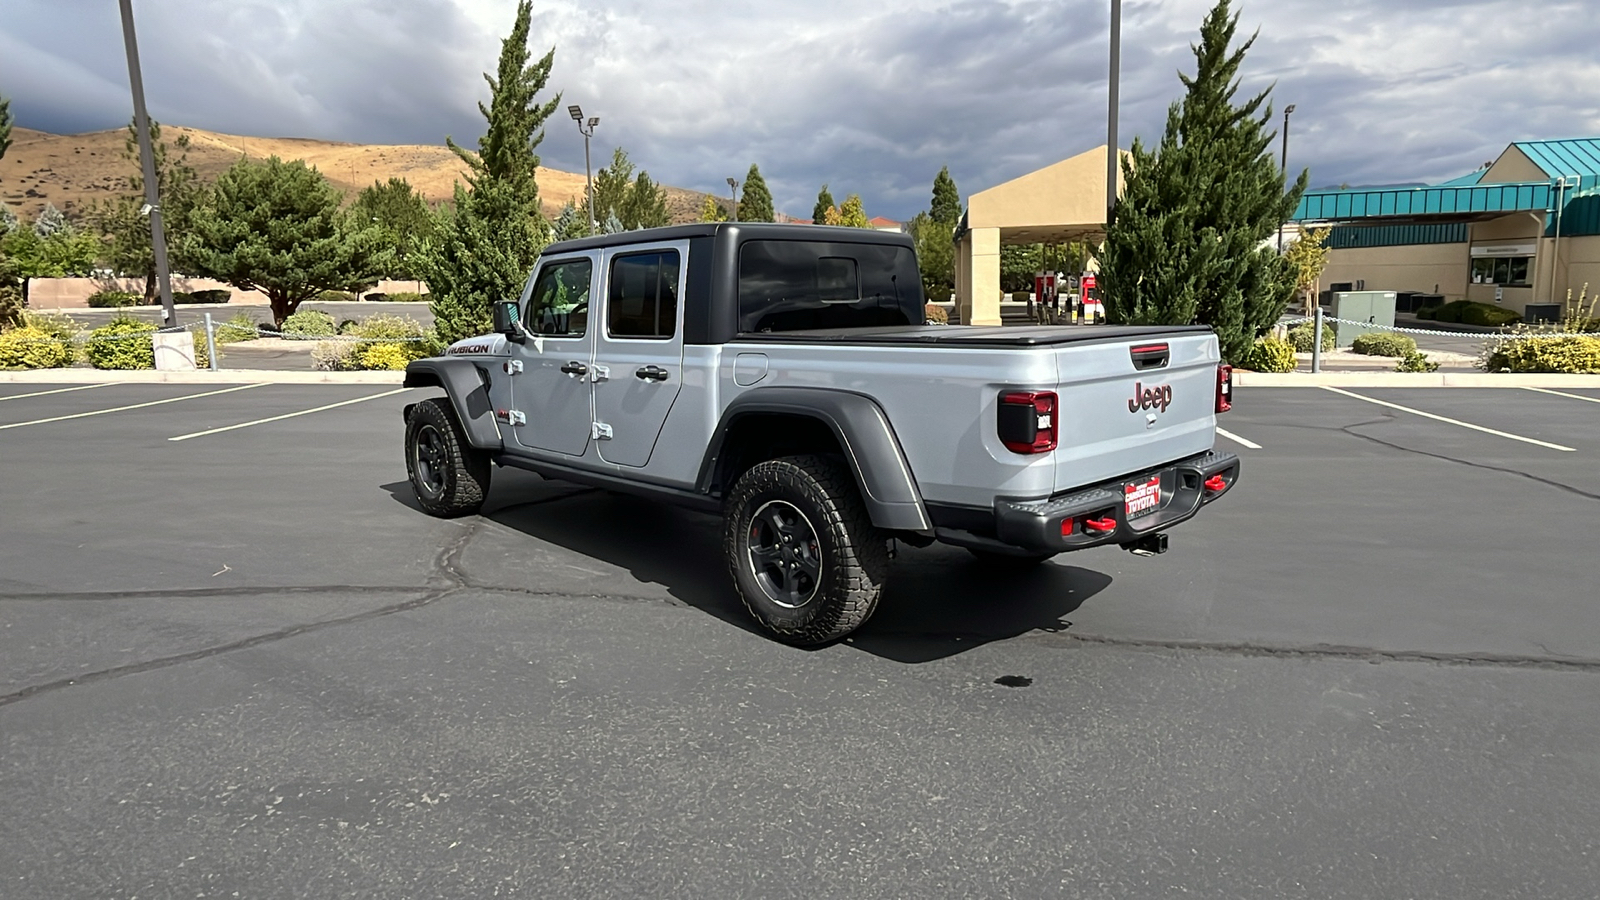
(1481, 335)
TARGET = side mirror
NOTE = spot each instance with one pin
(508, 320)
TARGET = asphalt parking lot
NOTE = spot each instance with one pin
(243, 663)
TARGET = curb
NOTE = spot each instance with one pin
(225, 376)
(1413, 380)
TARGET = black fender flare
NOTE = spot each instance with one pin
(862, 429)
(468, 390)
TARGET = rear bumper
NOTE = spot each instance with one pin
(1097, 515)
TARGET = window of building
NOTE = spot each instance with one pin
(1511, 270)
(796, 285)
(559, 302)
(643, 301)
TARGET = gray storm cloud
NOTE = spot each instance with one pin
(870, 98)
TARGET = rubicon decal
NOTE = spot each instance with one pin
(1158, 397)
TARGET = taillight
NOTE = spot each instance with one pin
(1224, 388)
(1027, 421)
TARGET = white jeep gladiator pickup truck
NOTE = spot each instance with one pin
(783, 377)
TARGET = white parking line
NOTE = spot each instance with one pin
(101, 412)
(304, 412)
(1429, 415)
(1563, 394)
(1238, 440)
(81, 387)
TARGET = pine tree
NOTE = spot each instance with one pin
(646, 204)
(8, 219)
(935, 255)
(402, 217)
(946, 208)
(573, 223)
(756, 204)
(819, 213)
(49, 221)
(6, 120)
(852, 214)
(483, 252)
(277, 228)
(611, 185)
(1186, 241)
(125, 225)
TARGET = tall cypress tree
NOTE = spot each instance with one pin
(946, 208)
(819, 213)
(5, 126)
(756, 204)
(484, 251)
(1185, 243)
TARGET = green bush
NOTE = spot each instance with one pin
(1416, 362)
(1300, 337)
(57, 326)
(1484, 314)
(1383, 343)
(32, 347)
(333, 356)
(122, 343)
(1270, 355)
(335, 297)
(309, 323)
(399, 297)
(211, 296)
(113, 299)
(1450, 312)
(403, 334)
(239, 328)
(1428, 312)
(937, 315)
(1571, 354)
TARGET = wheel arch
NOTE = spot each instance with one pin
(467, 386)
(780, 421)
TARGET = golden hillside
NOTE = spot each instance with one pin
(74, 170)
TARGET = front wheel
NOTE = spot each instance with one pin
(449, 476)
(803, 553)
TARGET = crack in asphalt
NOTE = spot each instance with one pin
(217, 593)
(1334, 651)
(446, 577)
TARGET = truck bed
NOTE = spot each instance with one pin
(970, 336)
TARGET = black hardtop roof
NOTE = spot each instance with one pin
(736, 231)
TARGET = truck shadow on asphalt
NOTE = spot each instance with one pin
(939, 601)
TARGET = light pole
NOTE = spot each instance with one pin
(147, 160)
(1286, 111)
(733, 191)
(587, 130)
(1112, 158)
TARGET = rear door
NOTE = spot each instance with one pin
(639, 350)
(1127, 406)
(552, 391)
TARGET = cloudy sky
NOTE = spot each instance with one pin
(869, 97)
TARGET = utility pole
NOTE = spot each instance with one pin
(733, 191)
(1285, 165)
(147, 160)
(1113, 159)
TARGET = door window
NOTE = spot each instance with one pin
(559, 303)
(643, 301)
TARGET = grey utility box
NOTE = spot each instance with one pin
(1376, 308)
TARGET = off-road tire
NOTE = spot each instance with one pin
(853, 555)
(449, 476)
(1007, 562)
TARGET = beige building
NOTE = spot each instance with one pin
(1518, 233)
(1059, 203)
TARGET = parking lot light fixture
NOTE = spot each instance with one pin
(587, 130)
(1285, 165)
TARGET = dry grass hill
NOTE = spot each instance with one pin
(74, 170)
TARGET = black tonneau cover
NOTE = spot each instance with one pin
(972, 336)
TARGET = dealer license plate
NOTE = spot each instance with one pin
(1142, 497)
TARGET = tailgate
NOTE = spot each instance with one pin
(1133, 404)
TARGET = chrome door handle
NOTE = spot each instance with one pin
(575, 368)
(650, 373)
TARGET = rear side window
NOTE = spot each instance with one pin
(796, 285)
(643, 300)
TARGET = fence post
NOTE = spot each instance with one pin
(1316, 341)
(211, 344)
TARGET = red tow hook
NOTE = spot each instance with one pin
(1216, 483)
(1106, 524)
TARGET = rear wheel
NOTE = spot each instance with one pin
(802, 551)
(448, 475)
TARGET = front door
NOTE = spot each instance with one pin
(553, 390)
(639, 355)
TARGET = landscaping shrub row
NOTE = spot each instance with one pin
(1469, 312)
